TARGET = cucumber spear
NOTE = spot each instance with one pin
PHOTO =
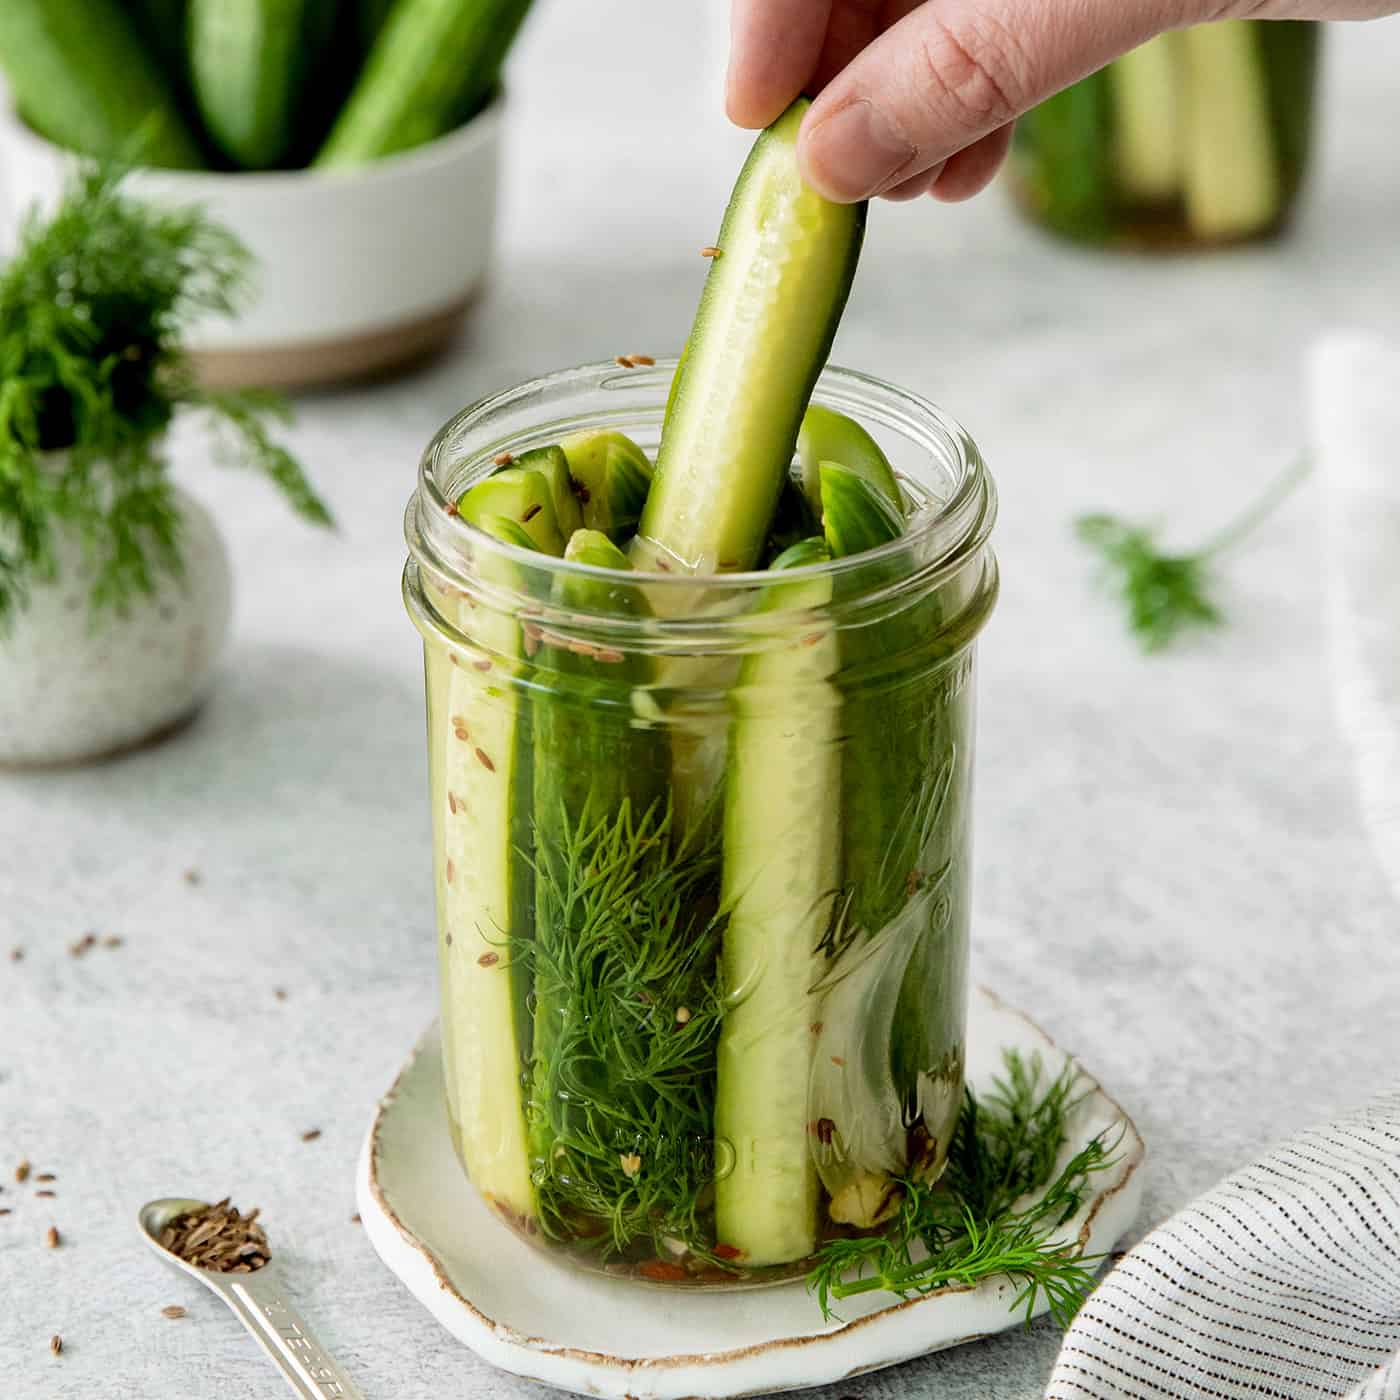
(767, 316)
(782, 850)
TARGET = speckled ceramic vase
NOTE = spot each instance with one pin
(75, 686)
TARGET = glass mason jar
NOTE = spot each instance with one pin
(701, 847)
(1200, 137)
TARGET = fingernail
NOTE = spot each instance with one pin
(853, 152)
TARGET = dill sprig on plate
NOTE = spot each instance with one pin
(1166, 594)
(998, 1209)
(627, 935)
(92, 310)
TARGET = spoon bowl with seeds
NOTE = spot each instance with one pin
(228, 1252)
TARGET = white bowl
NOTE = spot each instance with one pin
(360, 270)
(75, 687)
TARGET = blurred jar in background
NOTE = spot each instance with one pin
(1198, 138)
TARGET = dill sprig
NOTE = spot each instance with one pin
(997, 1210)
(1167, 594)
(93, 307)
(628, 1010)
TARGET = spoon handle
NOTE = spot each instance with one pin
(305, 1364)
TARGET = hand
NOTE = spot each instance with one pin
(919, 96)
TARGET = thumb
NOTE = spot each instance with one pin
(953, 71)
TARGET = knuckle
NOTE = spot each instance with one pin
(978, 70)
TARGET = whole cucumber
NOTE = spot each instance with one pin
(249, 62)
(161, 26)
(434, 64)
(80, 76)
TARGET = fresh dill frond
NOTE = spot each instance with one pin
(1167, 594)
(627, 1013)
(997, 1210)
(93, 308)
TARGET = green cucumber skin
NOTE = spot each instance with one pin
(591, 757)
(482, 810)
(161, 25)
(80, 76)
(829, 436)
(1062, 160)
(782, 847)
(767, 317)
(433, 65)
(856, 516)
(249, 62)
(1292, 51)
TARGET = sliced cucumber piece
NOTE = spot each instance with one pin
(1231, 178)
(765, 324)
(596, 769)
(522, 496)
(611, 476)
(485, 899)
(1147, 136)
(781, 872)
(553, 465)
(828, 436)
(856, 516)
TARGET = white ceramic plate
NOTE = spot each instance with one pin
(598, 1336)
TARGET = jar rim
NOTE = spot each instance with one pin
(433, 528)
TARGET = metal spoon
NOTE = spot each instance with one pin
(259, 1303)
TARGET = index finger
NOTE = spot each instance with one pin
(774, 48)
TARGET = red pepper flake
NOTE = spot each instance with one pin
(53, 1239)
(461, 732)
(826, 1130)
(488, 959)
(452, 508)
(662, 1271)
(452, 803)
(711, 251)
(728, 1251)
(485, 762)
(812, 638)
(451, 872)
(838, 1062)
(311, 1134)
(641, 359)
(503, 459)
(624, 360)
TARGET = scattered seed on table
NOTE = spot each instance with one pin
(22, 1171)
(5, 1210)
(55, 1344)
(624, 360)
(642, 359)
(355, 1219)
(280, 993)
(192, 876)
(173, 1311)
(53, 1239)
(16, 954)
(113, 941)
(46, 1193)
(311, 1134)
(711, 251)
(46, 1176)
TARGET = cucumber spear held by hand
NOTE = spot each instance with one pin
(766, 320)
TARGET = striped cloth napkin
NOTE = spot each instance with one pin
(1284, 1280)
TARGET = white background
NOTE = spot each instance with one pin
(1171, 870)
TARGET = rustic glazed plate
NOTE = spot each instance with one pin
(541, 1319)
